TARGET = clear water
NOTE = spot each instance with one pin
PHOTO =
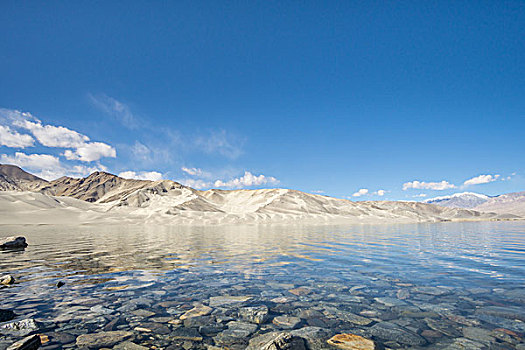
(479, 269)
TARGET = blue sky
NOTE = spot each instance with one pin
(331, 97)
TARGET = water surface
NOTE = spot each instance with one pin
(147, 276)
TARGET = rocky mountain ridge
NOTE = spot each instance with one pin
(170, 202)
(510, 203)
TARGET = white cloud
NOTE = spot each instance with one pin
(53, 136)
(61, 137)
(318, 191)
(77, 171)
(380, 193)
(118, 110)
(196, 183)
(140, 150)
(437, 186)
(481, 179)
(48, 166)
(361, 192)
(143, 175)
(192, 171)
(421, 195)
(248, 180)
(12, 138)
(220, 142)
(82, 170)
(196, 172)
(31, 161)
(90, 152)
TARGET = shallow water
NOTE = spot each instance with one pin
(146, 277)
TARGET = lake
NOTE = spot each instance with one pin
(435, 286)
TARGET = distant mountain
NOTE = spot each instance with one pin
(103, 197)
(510, 203)
(12, 178)
(466, 200)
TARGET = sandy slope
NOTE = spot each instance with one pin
(185, 206)
(34, 208)
(106, 198)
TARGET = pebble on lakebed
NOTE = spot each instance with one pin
(351, 342)
(7, 280)
(31, 342)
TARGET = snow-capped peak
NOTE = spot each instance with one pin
(457, 195)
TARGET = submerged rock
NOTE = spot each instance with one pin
(242, 327)
(184, 333)
(315, 337)
(6, 315)
(351, 342)
(228, 300)
(31, 342)
(392, 331)
(254, 314)
(276, 341)
(286, 322)
(7, 279)
(514, 313)
(102, 339)
(301, 291)
(390, 302)
(19, 328)
(13, 242)
(478, 334)
(127, 345)
(435, 291)
(199, 310)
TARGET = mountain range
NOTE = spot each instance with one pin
(510, 203)
(106, 198)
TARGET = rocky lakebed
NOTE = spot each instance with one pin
(403, 287)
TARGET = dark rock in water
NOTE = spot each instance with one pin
(276, 341)
(286, 322)
(7, 279)
(6, 315)
(391, 331)
(156, 328)
(241, 329)
(60, 284)
(19, 328)
(186, 334)
(198, 321)
(28, 343)
(448, 328)
(13, 243)
(478, 334)
(513, 325)
(211, 329)
(254, 314)
(102, 339)
(112, 325)
(315, 337)
(435, 291)
(61, 338)
(127, 345)
(514, 313)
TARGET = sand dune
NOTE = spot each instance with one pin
(106, 198)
